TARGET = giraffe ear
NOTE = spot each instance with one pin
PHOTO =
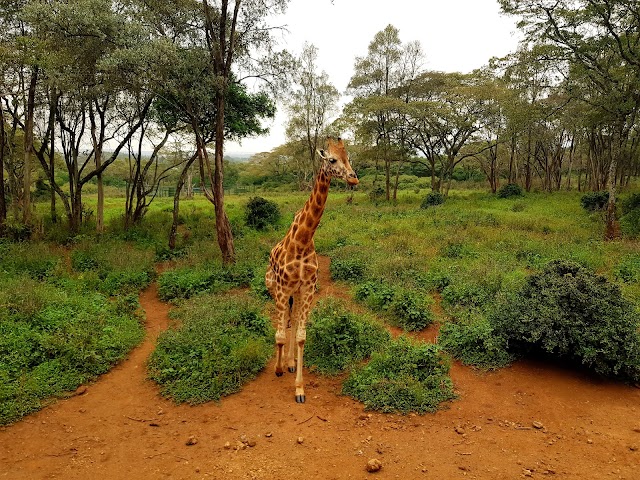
(321, 153)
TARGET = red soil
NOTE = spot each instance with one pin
(530, 420)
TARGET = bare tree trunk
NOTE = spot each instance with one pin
(186, 174)
(223, 227)
(3, 200)
(28, 148)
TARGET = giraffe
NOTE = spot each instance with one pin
(293, 263)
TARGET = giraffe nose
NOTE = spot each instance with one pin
(352, 179)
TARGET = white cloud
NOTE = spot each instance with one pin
(456, 35)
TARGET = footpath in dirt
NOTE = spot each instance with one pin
(531, 420)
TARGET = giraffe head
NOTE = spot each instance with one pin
(336, 161)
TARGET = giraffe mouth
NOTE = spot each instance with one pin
(353, 181)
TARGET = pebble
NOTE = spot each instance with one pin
(374, 465)
(459, 430)
(192, 440)
(538, 425)
(300, 440)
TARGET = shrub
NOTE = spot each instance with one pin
(221, 343)
(594, 201)
(510, 190)
(411, 310)
(261, 213)
(337, 338)
(349, 269)
(407, 376)
(474, 342)
(570, 313)
(432, 199)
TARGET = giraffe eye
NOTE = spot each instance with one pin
(332, 160)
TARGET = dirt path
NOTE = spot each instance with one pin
(121, 428)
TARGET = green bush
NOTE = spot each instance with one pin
(337, 338)
(432, 199)
(510, 190)
(568, 312)
(261, 213)
(474, 342)
(411, 310)
(378, 193)
(349, 269)
(33, 259)
(594, 201)
(222, 343)
(407, 376)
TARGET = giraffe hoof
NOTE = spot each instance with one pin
(300, 398)
(292, 369)
(279, 374)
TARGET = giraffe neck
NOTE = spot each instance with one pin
(310, 215)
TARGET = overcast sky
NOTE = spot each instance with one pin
(456, 35)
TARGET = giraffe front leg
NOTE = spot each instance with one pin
(301, 337)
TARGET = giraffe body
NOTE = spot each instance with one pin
(293, 264)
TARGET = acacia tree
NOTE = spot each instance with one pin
(311, 105)
(600, 39)
(377, 86)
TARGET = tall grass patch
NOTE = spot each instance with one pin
(338, 339)
(219, 344)
(407, 376)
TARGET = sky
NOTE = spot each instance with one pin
(456, 35)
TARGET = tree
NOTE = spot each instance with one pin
(310, 106)
(600, 41)
(376, 87)
(231, 36)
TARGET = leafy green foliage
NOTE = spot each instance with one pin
(593, 201)
(53, 338)
(186, 282)
(628, 270)
(570, 313)
(222, 342)
(407, 376)
(510, 190)
(261, 213)
(630, 219)
(474, 342)
(348, 269)
(408, 309)
(34, 259)
(432, 199)
(337, 338)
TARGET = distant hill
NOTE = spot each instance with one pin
(239, 157)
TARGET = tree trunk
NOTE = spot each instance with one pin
(28, 148)
(3, 200)
(223, 227)
(186, 174)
